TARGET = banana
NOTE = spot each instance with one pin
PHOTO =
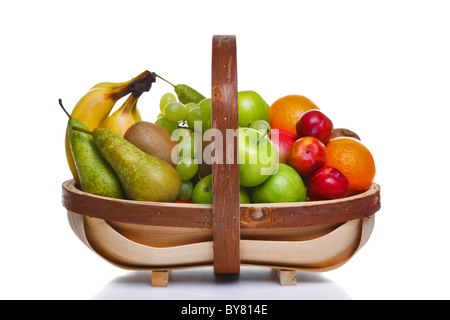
(111, 85)
(94, 107)
(123, 118)
(136, 114)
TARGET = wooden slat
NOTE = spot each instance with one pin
(268, 215)
(225, 168)
(311, 213)
(137, 212)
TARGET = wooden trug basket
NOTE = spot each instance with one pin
(313, 236)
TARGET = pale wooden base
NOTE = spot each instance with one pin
(160, 278)
(287, 277)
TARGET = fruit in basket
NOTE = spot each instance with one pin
(205, 165)
(202, 192)
(175, 111)
(166, 124)
(284, 186)
(244, 195)
(343, 132)
(191, 105)
(95, 174)
(152, 139)
(354, 160)
(199, 116)
(94, 107)
(258, 157)
(306, 155)
(206, 106)
(261, 125)
(143, 177)
(196, 114)
(315, 124)
(286, 110)
(328, 183)
(187, 168)
(252, 107)
(185, 93)
(187, 144)
(165, 99)
(186, 191)
(136, 114)
(123, 118)
(138, 87)
(283, 140)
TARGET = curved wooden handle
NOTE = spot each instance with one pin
(225, 168)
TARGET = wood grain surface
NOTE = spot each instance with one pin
(264, 215)
(225, 167)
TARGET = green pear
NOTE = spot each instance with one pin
(185, 93)
(96, 175)
(143, 177)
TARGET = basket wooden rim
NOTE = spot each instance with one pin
(264, 215)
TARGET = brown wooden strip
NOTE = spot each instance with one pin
(284, 215)
(311, 213)
(137, 212)
(225, 168)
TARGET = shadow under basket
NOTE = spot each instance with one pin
(314, 236)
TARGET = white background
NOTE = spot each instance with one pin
(380, 68)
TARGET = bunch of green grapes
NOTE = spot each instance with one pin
(175, 114)
(188, 119)
(194, 116)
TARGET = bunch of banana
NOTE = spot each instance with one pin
(95, 106)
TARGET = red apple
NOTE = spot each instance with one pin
(315, 124)
(328, 183)
(282, 139)
(306, 155)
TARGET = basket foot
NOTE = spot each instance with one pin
(287, 277)
(160, 278)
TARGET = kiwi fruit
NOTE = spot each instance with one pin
(152, 139)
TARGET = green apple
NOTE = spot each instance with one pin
(284, 186)
(202, 192)
(258, 157)
(252, 107)
(244, 195)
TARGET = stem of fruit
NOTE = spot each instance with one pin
(81, 130)
(142, 83)
(165, 80)
(64, 109)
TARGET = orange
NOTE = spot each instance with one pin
(354, 160)
(286, 111)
